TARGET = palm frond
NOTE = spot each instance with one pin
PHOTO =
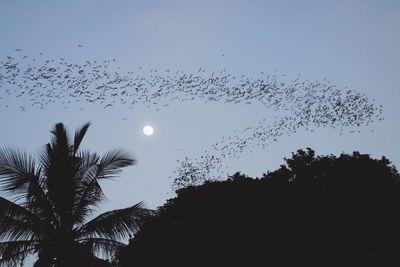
(13, 253)
(90, 197)
(45, 161)
(16, 169)
(13, 229)
(9, 208)
(38, 203)
(102, 247)
(117, 224)
(90, 193)
(60, 142)
(112, 162)
(17, 222)
(88, 166)
(79, 134)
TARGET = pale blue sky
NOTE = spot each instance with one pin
(352, 43)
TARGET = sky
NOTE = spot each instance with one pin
(353, 44)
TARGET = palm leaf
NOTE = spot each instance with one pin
(16, 169)
(45, 160)
(79, 134)
(117, 224)
(90, 193)
(13, 229)
(104, 247)
(17, 222)
(39, 204)
(112, 162)
(60, 142)
(13, 253)
(90, 197)
(9, 208)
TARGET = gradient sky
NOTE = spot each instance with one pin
(351, 43)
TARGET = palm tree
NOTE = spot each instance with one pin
(51, 202)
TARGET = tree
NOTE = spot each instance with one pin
(53, 199)
(312, 211)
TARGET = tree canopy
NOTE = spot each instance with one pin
(312, 211)
(52, 202)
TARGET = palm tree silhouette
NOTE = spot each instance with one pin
(52, 201)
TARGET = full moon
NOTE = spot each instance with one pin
(148, 130)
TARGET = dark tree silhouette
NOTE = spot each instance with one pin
(52, 201)
(312, 211)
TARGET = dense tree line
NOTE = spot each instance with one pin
(312, 211)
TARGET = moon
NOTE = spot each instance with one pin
(148, 130)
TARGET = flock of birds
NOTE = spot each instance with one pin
(38, 82)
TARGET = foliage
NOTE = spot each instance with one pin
(312, 211)
(52, 200)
